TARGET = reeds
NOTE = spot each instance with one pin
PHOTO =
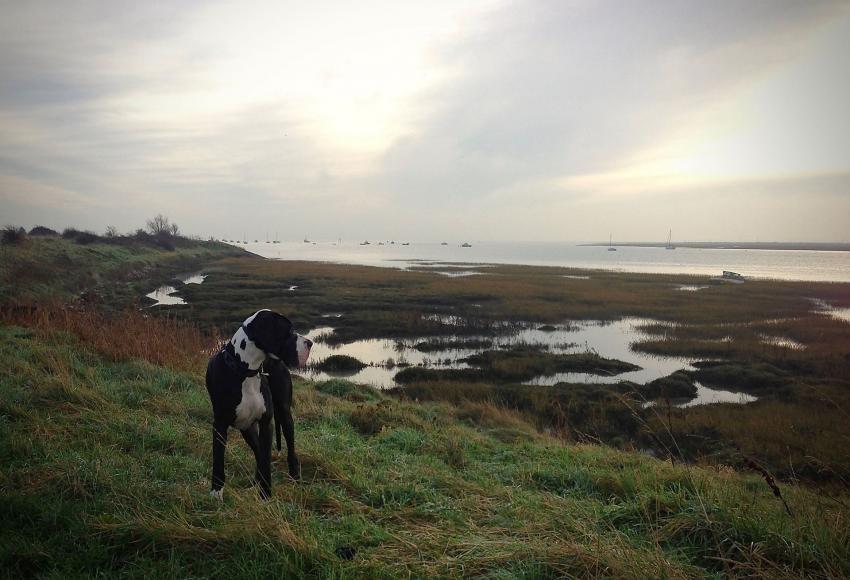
(127, 334)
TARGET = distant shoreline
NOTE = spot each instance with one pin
(813, 246)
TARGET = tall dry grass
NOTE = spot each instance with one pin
(163, 341)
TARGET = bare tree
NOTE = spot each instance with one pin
(161, 225)
(111, 232)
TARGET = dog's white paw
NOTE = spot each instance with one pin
(217, 494)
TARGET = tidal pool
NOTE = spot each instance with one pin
(385, 357)
(164, 294)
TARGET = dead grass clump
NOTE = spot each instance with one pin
(491, 416)
(129, 334)
(371, 419)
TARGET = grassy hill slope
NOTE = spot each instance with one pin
(105, 460)
(44, 269)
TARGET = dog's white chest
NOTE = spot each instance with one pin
(252, 406)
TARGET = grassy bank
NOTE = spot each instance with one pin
(105, 463)
(110, 275)
(804, 393)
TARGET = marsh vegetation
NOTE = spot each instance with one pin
(397, 482)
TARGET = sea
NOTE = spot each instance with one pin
(808, 265)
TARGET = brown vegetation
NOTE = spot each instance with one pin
(128, 334)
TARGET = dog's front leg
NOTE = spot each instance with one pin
(289, 435)
(219, 443)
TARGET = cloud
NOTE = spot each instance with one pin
(503, 120)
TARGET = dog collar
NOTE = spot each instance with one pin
(237, 365)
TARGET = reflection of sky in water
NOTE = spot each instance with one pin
(841, 314)
(782, 341)
(163, 297)
(610, 340)
(690, 288)
(163, 294)
(194, 279)
(707, 396)
(459, 274)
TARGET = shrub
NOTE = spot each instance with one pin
(43, 231)
(340, 363)
(82, 237)
(13, 236)
(336, 387)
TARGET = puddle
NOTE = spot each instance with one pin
(707, 396)
(459, 274)
(445, 319)
(690, 288)
(575, 277)
(163, 296)
(823, 307)
(195, 279)
(782, 342)
(292, 288)
(841, 314)
(611, 340)
(386, 357)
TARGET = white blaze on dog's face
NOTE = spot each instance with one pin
(302, 347)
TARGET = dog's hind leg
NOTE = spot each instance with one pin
(289, 434)
(280, 385)
(219, 443)
(258, 438)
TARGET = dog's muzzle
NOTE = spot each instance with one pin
(303, 346)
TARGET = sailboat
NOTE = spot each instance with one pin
(670, 245)
(610, 247)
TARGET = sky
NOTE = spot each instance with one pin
(561, 120)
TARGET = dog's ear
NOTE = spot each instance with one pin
(270, 331)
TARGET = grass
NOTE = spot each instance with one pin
(368, 297)
(51, 269)
(517, 364)
(339, 363)
(104, 427)
(105, 465)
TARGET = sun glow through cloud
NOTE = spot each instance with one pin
(502, 113)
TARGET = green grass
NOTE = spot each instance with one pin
(55, 269)
(104, 470)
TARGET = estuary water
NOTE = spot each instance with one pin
(776, 264)
(385, 357)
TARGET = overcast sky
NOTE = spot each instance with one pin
(479, 120)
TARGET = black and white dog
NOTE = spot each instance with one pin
(249, 382)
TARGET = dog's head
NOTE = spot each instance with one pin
(273, 334)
